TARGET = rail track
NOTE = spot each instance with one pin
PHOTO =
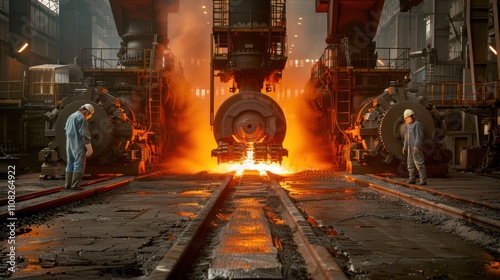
(250, 219)
(37, 201)
(375, 234)
(316, 226)
(245, 209)
(477, 212)
(35, 194)
(229, 253)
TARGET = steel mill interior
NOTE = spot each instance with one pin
(292, 83)
(310, 94)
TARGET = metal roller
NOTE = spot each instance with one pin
(249, 121)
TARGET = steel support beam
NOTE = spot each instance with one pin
(496, 23)
(477, 32)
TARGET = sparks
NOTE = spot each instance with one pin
(249, 164)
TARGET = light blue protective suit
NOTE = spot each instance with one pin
(413, 138)
(77, 136)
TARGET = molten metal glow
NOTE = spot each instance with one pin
(249, 164)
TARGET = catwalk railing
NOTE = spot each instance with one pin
(453, 93)
(338, 57)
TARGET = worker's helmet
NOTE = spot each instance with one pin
(89, 108)
(407, 113)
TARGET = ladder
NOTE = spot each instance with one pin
(343, 100)
(154, 101)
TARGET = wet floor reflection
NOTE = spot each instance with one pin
(248, 232)
(186, 214)
(201, 193)
(188, 204)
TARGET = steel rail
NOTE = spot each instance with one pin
(36, 194)
(71, 197)
(435, 206)
(320, 263)
(179, 257)
(479, 203)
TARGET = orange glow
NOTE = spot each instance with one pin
(196, 193)
(312, 221)
(222, 217)
(188, 204)
(186, 214)
(192, 46)
(249, 233)
(142, 193)
(249, 164)
(32, 264)
(350, 179)
(193, 151)
(30, 244)
(493, 268)
(306, 150)
(277, 221)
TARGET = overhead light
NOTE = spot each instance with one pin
(22, 47)
(492, 49)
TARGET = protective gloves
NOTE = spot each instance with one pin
(416, 150)
(404, 151)
(89, 151)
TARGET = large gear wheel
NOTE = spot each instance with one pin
(100, 127)
(378, 133)
(391, 128)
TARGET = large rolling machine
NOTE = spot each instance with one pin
(135, 90)
(121, 144)
(358, 93)
(248, 47)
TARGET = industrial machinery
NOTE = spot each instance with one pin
(120, 142)
(359, 93)
(248, 47)
(135, 90)
(377, 132)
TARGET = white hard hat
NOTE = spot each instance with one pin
(89, 108)
(407, 113)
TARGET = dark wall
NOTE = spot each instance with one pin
(75, 22)
(33, 22)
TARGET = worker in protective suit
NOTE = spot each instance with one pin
(412, 147)
(78, 145)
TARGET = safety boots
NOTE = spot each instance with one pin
(421, 182)
(68, 179)
(77, 177)
(411, 181)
